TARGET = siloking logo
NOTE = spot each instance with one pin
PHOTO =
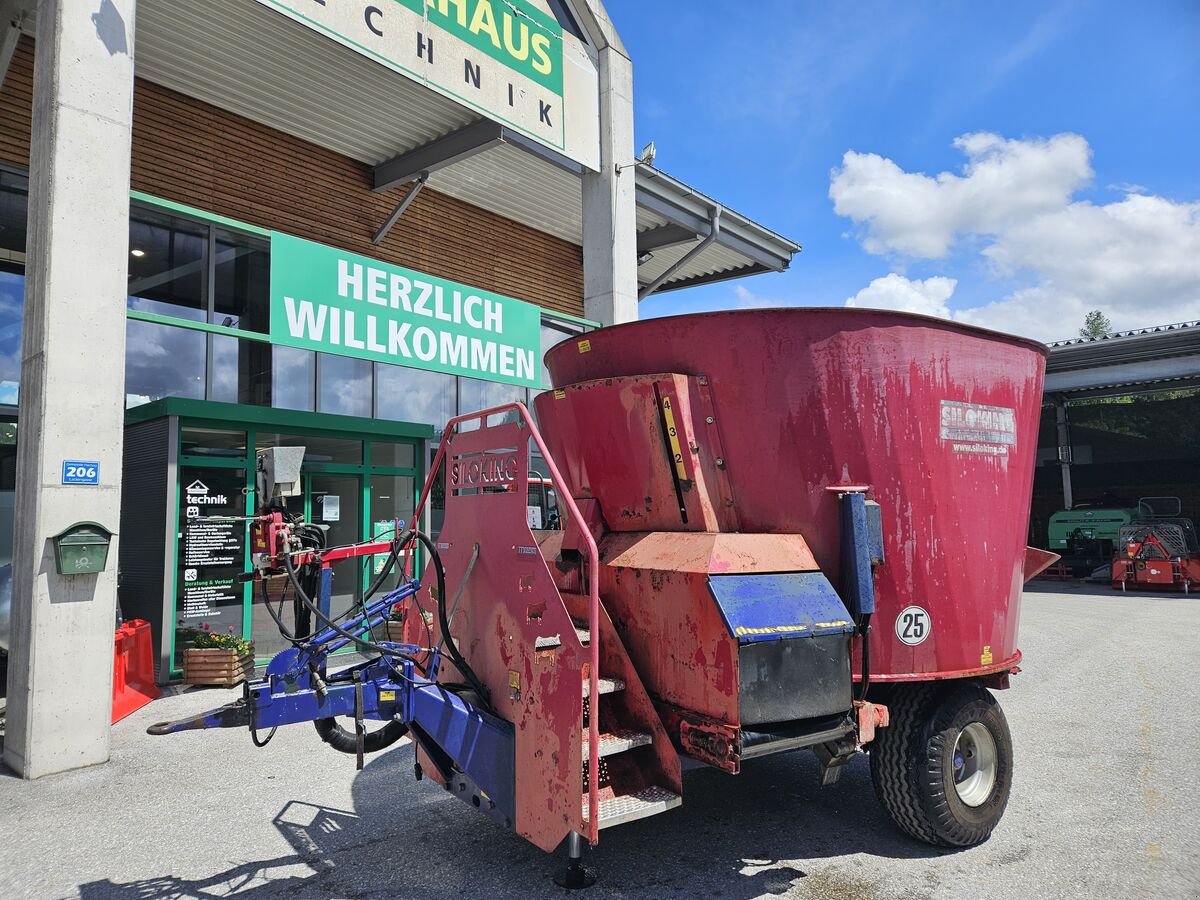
(484, 471)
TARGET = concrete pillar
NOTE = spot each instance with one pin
(610, 286)
(1064, 449)
(72, 382)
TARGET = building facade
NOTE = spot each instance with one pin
(346, 223)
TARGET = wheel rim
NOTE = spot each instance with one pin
(974, 764)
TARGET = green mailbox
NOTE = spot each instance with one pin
(82, 548)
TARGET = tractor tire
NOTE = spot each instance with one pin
(943, 768)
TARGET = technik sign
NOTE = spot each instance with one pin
(331, 301)
(502, 57)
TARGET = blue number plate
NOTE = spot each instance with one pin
(80, 471)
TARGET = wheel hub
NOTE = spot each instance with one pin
(974, 761)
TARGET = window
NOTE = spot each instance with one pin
(242, 281)
(395, 456)
(212, 442)
(414, 395)
(344, 385)
(14, 200)
(474, 395)
(293, 378)
(12, 305)
(161, 361)
(318, 450)
(167, 265)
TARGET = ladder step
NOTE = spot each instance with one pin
(603, 686)
(581, 631)
(614, 742)
(628, 807)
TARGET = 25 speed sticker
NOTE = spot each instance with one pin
(912, 625)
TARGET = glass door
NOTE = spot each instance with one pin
(392, 498)
(335, 502)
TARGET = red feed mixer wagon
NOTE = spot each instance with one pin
(781, 529)
(775, 492)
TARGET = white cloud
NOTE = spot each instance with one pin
(747, 299)
(1136, 259)
(1003, 182)
(896, 292)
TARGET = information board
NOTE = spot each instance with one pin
(212, 554)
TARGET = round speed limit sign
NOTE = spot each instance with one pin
(912, 625)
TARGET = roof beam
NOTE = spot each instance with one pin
(665, 236)
(696, 280)
(12, 17)
(457, 146)
(445, 151)
(714, 233)
(1142, 372)
(698, 225)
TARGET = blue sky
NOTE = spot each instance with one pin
(1080, 189)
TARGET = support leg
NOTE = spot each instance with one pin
(576, 875)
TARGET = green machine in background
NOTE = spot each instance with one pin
(1086, 535)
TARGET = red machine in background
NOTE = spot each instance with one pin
(1159, 550)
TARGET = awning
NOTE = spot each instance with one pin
(1148, 359)
(252, 61)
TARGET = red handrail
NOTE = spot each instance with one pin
(593, 583)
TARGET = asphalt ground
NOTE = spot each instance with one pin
(1105, 803)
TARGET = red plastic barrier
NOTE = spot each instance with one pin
(133, 669)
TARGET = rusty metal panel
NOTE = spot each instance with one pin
(939, 419)
(716, 554)
(676, 637)
(644, 460)
(509, 601)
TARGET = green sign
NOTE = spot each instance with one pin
(504, 58)
(513, 32)
(332, 301)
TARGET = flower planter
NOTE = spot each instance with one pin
(221, 666)
(393, 631)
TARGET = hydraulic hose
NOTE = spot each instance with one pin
(865, 683)
(290, 567)
(444, 623)
(345, 741)
(333, 733)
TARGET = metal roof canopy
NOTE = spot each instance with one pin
(1132, 362)
(252, 61)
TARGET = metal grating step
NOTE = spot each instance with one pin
(603, 686)
(581, 631)
(614, 742)
(629, 807)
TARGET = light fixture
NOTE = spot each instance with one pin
(645, 257)
(138, 253)
(645, 158)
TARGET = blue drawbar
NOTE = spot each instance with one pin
(772, 607)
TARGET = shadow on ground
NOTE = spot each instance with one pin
(732, 838)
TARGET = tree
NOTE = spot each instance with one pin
(1095, 325)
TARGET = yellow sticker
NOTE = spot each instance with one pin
(985, 658)
(387, 696)
(585, 346)
(514, 679)
(560, 395)
(673, 439)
